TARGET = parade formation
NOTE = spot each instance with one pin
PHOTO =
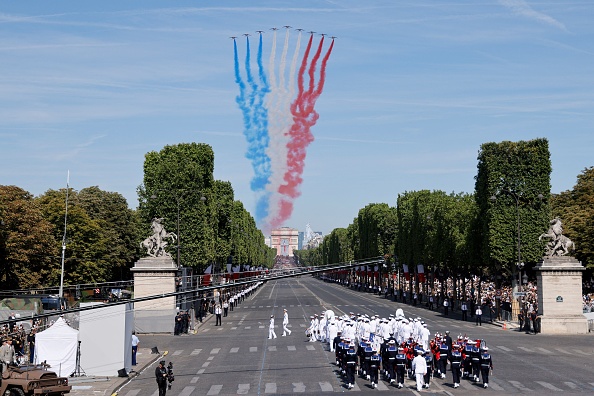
(399, 348)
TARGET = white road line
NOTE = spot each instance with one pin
(581, 352)
(291, 348)
(495, 386)
(215, 351)
(270, 387)
(504, 348)
(156, 393)
(214, 390)
(194, 380)
(467, 385)
(519, 386)
(248, 327)
(525, 349)
(243, 389)
(302, 325)
(177, 353)
(298, 387)
(563, 351)
(549, 386)
(133, 392)
(260, 327)
(571, 385)
(326, 387)
(381, 386)
(206, 364)
(233, 328)
(205, 330)
(253, 349)
(201, 371)
(310, 347)
(187, 391)
(544, 350)
(195, 352)
(355, 388)
(210, 358)
(272, 348)
(234, 350)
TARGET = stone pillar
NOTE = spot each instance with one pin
(560, 296)
(154, 276)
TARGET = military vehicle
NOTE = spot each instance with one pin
(32, 380)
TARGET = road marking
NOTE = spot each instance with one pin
(201, 371)
(356, 387)
(253, 349)
(504, 348)
(543, 350)
(270, 387)
(206, 364)
(563, 351)
(326, 386)
(260, 327)
(291, 348)
(581, 352)
(495, 386)
(215, 351)
(248, 327)
(467, 385)
(298, 387)
(156, 393)
(381, 386)
(194, 380)
(519, 386)
(214, 390)
(549, 386)
(234, 350)
(272, 348)
(525, 349)
(205, 330)
(187, 391)
(133, 392)
(243, 389)
(310, 347)
(571, 385)
(233, 328)
(210, 358)
(455, 326)
(302, 325)
(195, 352)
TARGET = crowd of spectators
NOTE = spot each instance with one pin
(23, 336)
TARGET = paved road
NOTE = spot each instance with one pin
(237, 358)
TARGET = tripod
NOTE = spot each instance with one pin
(78, 370)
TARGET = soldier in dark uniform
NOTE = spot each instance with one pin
(390, 361)
(335, 343)
(475, 357)
(456, 362)
(351, 366)
(374, 365)
(400, 366)
(442, 364)
(161, 377)
(486, 365)
(367, 353)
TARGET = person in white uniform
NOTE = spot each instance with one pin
(419, 366)
(285, 323)
(271, 333)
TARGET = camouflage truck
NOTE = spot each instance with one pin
(32, 380)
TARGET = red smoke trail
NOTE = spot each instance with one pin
(304, 117)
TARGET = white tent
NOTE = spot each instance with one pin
(57, 346)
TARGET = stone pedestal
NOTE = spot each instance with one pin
(154, 276)
(560, 296)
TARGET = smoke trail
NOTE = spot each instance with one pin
(304, 117)
(250, 101)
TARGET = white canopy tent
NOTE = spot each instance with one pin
(57, 346)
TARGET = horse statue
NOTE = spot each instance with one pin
(155, 244)
(558, 244)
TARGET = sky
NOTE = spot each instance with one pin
(412, 90)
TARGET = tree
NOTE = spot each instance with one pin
(575, 208)
(88, 248)
(512, 191)
(28, 250)
(119, 224)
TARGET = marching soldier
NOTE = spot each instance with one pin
(486, 366)
(456, 362)
(401, 361)
(351, 365)
(374, 365)
(391, 353)
(429, 361)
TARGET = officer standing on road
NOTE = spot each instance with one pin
(479, 313)
(218, 313)
(161, 377)
(419, 367)
(464, 308)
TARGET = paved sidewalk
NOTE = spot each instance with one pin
(106, 386)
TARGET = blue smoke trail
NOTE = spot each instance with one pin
(255, 117)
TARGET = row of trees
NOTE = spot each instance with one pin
(488, 233)
(103, 234)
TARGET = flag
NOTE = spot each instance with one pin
(405, 270)
(421, 273)
(208, 269)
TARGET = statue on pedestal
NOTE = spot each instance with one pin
(558, 244)
(156, 243)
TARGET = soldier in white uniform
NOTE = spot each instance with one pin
(7, 355)
(285, 323)
(271, 333)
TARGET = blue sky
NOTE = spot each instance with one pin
(413, 88)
